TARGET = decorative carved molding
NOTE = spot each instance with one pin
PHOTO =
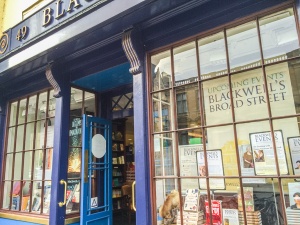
(131, 52)
(53, 82)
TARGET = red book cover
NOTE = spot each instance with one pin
(216, 209)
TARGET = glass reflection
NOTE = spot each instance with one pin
(164, 155)
(279, 36)
(161, 71)
(162, 114)
(185, 64)
(212, 56)
(243, 47)
(283, 87)
(188, 110)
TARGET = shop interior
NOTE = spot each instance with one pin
(123, 170)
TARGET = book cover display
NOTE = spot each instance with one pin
(248, 199)
(216, 210)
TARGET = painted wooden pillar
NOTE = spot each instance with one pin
(132, 46)
(2, 129)
(60, 145)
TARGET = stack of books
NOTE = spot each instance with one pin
(253, 218)
(293, 216)
(191, 218)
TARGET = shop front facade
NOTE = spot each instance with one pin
(212, 88)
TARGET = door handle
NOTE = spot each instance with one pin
(61, 204)
(133, 195)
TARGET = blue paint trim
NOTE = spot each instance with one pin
(2, 131)
(60, 155)
(15, 222)
(142, 176)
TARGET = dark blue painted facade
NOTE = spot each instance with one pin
(99, 51)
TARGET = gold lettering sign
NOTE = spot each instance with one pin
(77, 5)
(58, 9)
(3, 43)
(47, 16)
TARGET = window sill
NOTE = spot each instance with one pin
(25, 218)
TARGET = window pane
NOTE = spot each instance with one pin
(217, 106)
(292, 200)
(162, 113)
(249, 95)
(31, 109)
(260, 139)
(29, 136)
(8, 166)
(212, 56)
(40, 134)
(47, 192)
(13, 113)
(89, 103)
(243, 47)
(36, 197)
(283, 87)
(51, 107)
(279, 36)
(16, 192)
(42, 106)
(18, 166)
(76, 99)
(74, 162)
(291, 138)
(187, 159)
(163, 188)
(20, 138)
(11, 140)
(25, 196)
(27, 165)
(188, 112)
(161, 71)
(22, 111)
(262, 201)
(222, 138)
(73, 190)
(185, 64)
(164, 155)
(6, 195)
(38, 165)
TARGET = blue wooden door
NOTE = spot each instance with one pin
(96, 172)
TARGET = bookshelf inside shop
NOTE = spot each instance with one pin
(122, 162)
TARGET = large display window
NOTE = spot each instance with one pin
(225, 126)
(26, 183)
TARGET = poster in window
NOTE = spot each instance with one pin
(247, 164)
(188, 165)
(263, 153)
(294, 146)
(215, 168)
(293, 209)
